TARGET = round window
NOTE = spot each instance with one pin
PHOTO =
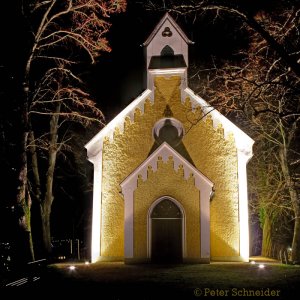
(168, 130)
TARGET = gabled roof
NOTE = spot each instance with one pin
(168, 17)
(243, 142)
(165, 151)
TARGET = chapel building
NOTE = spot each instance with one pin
(170, 180)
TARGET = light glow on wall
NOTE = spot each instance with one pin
(168, 72)
(96, 221)
(243, 142)
(243, 206)
(244, 148)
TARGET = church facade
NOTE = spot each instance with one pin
(170, 180)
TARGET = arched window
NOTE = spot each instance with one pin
(168, 130)
(166, 209)
(167, 51)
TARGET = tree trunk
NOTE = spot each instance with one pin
(296, 240)
(48, 200)
(23, 201)
(46, 230)
(23, 196)
(34, 166)
(267, 237)
(295, 203)
(28, 218)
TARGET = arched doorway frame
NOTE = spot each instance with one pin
(149, 224)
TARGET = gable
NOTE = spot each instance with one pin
(165, 88)
(163, 153)
(167, 34)
(174, 185)
(167, 21)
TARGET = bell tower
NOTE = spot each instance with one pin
(167, 51)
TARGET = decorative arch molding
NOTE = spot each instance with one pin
(202, 183)
(149, 225)
(174, 122)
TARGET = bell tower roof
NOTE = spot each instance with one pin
(166, 51)
(167, 19)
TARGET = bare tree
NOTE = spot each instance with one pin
(266, 93)
(245, 12)
(269, 199)
(62, 34)
(260, 89)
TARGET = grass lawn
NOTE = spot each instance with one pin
(119, 281)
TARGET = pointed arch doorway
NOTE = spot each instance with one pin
(166, 231)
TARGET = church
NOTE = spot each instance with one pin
(170, 179)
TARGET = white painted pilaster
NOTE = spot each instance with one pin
(243, 205)
(97, 209)
(205, 189)
(128, 226)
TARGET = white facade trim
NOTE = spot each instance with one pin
(160, 123)
(243, 205)
(165, 151)
(97, 207)
(128, 223)
(204, 220)
(96, 143)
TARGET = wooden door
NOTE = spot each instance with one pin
(166, 233)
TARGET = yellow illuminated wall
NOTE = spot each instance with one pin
(214, 156)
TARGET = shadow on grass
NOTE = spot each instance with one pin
(119, 281)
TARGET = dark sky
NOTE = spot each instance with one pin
(117, 78)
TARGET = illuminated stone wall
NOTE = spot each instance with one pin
(216, 159)
(211, 153)
(173, 184)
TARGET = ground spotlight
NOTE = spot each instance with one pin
(72, 268)
(253, 262)
(261, 266)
